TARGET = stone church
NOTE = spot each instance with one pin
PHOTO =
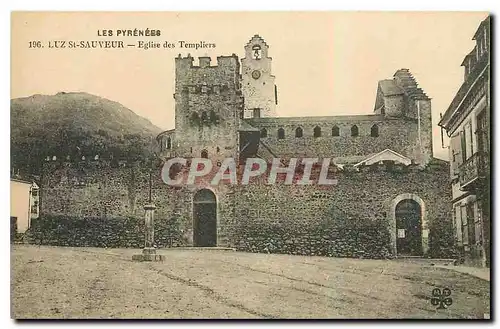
(387, 175)
(392, 197)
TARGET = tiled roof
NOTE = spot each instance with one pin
(389, 87)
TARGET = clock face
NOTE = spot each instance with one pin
(256, 74)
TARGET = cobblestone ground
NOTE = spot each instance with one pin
(56, 282)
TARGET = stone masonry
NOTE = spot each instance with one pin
(226, 111)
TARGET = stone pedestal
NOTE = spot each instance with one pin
(148, 255)
(149, 252)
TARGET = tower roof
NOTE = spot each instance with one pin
(405, 80)
(257, 38)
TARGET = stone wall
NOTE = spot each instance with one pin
(98, 189)
(360, 204)
(350, 219)
(399, 135)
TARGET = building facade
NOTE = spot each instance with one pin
(229, 111)
(467, 123)
(24, 204)
(391, 197)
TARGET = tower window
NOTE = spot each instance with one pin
(374, 131)
(204, 154)
(263, 133)
(354, 131)
(256, 113)
(213, 117)
(317, 132)
(256, 52)
(195, 119)
(298, 132)
(335, 131)
(281, 133)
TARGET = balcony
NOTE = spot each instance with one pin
(472, 172)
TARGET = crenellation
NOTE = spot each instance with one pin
(225, 110)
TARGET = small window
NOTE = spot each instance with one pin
(218, 149)
(256, 113)
(204, 116)
(204, 154)
(281, 133)
(335, 131)
(299, 132)
(168, 143)
(354, 131)
(374, 131)
(263, 133)
(195, 119)
(317, 132)
(213, 117)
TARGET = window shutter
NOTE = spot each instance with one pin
(456, 154)
(458, 224)
(463, 144)
(465, 235)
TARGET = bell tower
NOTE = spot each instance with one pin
(257, 82)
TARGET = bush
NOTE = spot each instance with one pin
(353, 239)
(442, 239)
(97, 232)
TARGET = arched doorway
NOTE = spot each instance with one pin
(204, 219)
(408, 228)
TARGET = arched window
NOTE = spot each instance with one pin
(168, 143)
(317, 131)
(281, 133)
(213, 117)
(263, 133)
(354, 131)
(204, 116)
(335, 131)
(204, 154)
(374, 131)
(298, 132)
(195, 119)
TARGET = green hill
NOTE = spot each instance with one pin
(75, 124)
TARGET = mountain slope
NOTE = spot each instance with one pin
(75, 124)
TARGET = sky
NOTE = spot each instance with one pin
(325, 63)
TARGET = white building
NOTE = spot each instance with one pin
(24, 203)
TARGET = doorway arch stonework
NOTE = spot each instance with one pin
(392, 221)
(205, 218)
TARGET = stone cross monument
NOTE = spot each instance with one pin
(149, 251)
